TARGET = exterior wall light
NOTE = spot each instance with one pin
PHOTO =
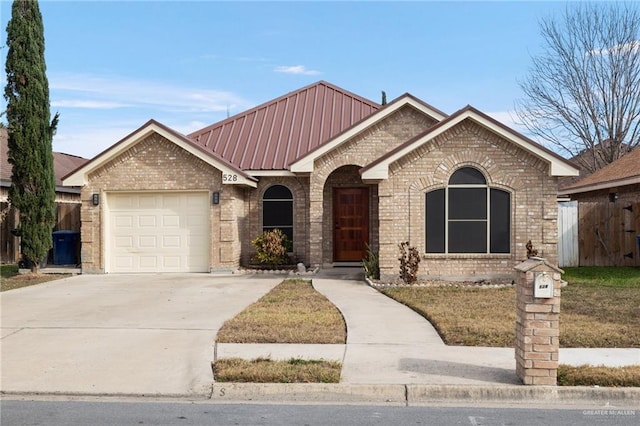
(95, 199)
(215, 198)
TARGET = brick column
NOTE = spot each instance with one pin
(537, 322)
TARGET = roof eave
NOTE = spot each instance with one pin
(557, 166)
(306, 163)
(79, 177)
(602, 185)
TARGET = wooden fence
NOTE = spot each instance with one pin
(67, 218)
(608, 233)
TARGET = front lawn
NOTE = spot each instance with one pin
(292, 312)
(264, 370)
(11, 279)
(598, 309)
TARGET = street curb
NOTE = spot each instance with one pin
(416, 394)
(310, 392)
(381, 394)
(420, 394)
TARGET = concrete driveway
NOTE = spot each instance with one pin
(119, 334)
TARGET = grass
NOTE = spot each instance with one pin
(264, 370)
(11, 279)
(588, 375)
(292, 312)
(599, 309)
(464, 316)
(603, 276)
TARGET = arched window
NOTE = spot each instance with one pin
(277, 210)
(468, 216)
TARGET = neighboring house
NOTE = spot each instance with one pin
(608, 219)
(337, 173)
(67, 199)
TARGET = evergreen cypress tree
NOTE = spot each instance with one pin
(31, 131)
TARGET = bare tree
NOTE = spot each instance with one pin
(583, 91)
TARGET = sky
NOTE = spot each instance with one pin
(113, 65)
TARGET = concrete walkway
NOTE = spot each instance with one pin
(149, 335)
(388, 343)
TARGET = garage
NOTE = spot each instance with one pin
(149, 232)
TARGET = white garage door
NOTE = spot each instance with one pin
(158, 232)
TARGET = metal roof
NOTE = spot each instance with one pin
(276, 133)
(62, 163)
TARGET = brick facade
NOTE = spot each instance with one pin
(155, 164)
(396, 204)
(299, 187)
(339, 168)
(504, 165)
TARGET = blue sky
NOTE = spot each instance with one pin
(113, 65)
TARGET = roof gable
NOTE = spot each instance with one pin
(305, 163)
(379, 169)
(272, 135)
(79, 177)
(624, 171)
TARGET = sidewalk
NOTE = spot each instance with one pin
(393, 354)
(388, 343)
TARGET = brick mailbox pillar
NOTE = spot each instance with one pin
(537, 321)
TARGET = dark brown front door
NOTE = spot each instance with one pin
(351, 224)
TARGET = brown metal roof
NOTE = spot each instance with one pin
(274, 134)
(62, 163)
(625, 167)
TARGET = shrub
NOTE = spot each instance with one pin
(271, 248)
(371, 264)
(409, 261)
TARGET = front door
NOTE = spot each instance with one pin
(351, 224)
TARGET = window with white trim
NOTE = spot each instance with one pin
(468, 216)
(277, 210)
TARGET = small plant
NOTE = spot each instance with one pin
(371, 264)
(271, 248)
(409, 261)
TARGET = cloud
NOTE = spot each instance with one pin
(98, 110)
(111, 92)
(189, 127)
(88, 140)
(509, 119)
(296, 69)
(631, 47)
(69, 103)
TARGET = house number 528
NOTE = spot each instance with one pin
(229, 178)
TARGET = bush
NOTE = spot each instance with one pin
(271, 248)
(409, 261)
(371, 264)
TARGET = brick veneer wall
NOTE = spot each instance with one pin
(363, 148)
(299, 187)
(505, 165)
(156, 164)
(346, 176)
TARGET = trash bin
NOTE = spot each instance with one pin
(65, 247)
